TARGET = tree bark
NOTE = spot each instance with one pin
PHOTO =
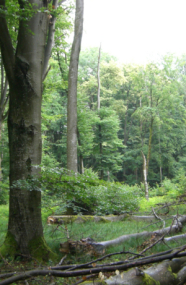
(3, 103)
(24, 125)
(72, 90)
(81, 164)
(24, 70)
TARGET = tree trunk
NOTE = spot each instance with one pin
(24, 71)
(161, 174)
(145, 176)
(81, 164)
(3, 102)
(24, 127)
(72, 89)
(98, 107)
(150, 144)
(1, 151)
(98, 77)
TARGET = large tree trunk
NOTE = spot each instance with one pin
(24, 126)
(72, 89)
(24, 70)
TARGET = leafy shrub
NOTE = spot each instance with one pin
(116, 198)
(86, 194)
(180, 182)
(146, 206)
(66, 189)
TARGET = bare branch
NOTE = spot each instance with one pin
(56, 273)
(157, 217)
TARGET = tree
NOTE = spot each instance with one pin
(72, 89)
(3, 111)
(25, 69)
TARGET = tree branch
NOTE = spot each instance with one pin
(50, 41)
(56, 273)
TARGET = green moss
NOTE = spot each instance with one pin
(148, 280)
(170, 270)
(40, 250)
(37, 247)
(80, 219)
(9, 247)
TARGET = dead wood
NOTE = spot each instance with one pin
(174, 264)
(175, 227)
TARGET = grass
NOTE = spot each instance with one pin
(3, 222)
(55, 235)
(101, 232)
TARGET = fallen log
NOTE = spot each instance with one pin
(167, 272)
(175, 227)
(174, 238)
(172, 270)
(66, 219)
(91, 247)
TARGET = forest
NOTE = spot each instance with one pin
(92, 156)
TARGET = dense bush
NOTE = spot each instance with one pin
(85, 193)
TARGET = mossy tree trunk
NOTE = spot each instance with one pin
(24, 69)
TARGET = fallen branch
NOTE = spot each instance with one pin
(177, 237)
(157, 217)
(56, 273)
(175, 227)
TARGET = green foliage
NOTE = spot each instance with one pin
(3, 222)
(86, 122)
(142, 108)
(107, 144)
(86, 193)
(146, 206)
(4, 192)
(116, 198)
(65, 189)
(168, 192)
(88, 62)
(180, 181)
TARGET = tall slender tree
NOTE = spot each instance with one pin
(4, 97)
(72, 89)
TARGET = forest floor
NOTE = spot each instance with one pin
(102, 231)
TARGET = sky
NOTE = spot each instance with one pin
(135, 30)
